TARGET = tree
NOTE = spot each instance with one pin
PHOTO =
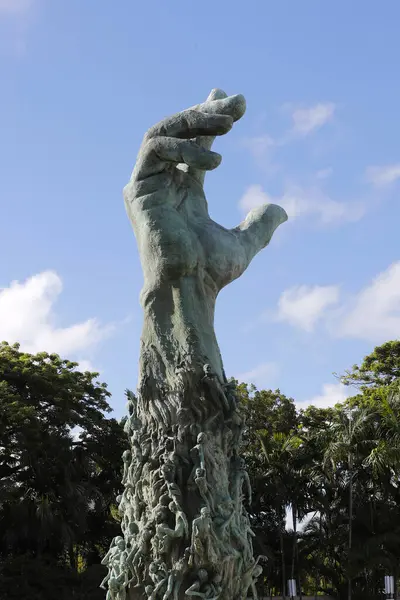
(347, 434)
(271, 419)
(380, 368)
(59, 461)
(341, 464)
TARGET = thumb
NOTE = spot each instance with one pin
(256, 231)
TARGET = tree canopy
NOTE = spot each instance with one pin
(59, 471)
(340, 468)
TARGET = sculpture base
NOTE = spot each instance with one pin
(186, 532)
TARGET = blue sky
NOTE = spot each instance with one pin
(84, 79)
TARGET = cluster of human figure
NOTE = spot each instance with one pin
(182, 511)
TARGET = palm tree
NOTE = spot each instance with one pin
(347, 438)
(287, 479)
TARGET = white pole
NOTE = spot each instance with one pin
(292, 588)
(389, 586)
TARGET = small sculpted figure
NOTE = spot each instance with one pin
(169, 485)
(126, 458)
(125, 503)
(113, 551)
(202, 454)
(198, 450)
(184, 420)
(202, 539)
(140, 552)
(176, 576)
(230, 393)
(160, 513)
(161, 542)
(250, 576)
(232, 558)
(168, 471)
(184, 376)
(181, 524)
(175, 493)
(145, 446)
(136, 466)
(121, 502)
(132, 423)
(215, 389)
(242, 534)
(226, 513)
(256, 574)
(217, 584)
(130, 533)
(236, 423)
(174, 453)
(159, 576)
(245, 524)
(201, 581)
(116, 560)
(203, 587)
(240, 477)
(204, 488)
(180, 435)
(117, 587)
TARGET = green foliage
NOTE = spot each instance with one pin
(60, 464)
(60, 471)
(380, 368)
(341, 467)
(44, 579)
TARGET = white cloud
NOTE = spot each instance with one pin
(26, 316)
(303, 306)
(15, 7)
(260, 375)
(306, 120)
(383, 176)
(85, 365)
(332, 393)
(300, 202)
(374, 314)
(254, 196)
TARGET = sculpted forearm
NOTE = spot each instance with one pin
(179, 323)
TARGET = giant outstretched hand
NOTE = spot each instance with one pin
(167, 207)
(186, 412)
(186, 257)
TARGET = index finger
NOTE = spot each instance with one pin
(234, 106)
(190, 123)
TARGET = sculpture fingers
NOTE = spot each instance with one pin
(217, 103)
(205, 142)
(256, 231)
(191, 123)
(234, 106)
(159, 152)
